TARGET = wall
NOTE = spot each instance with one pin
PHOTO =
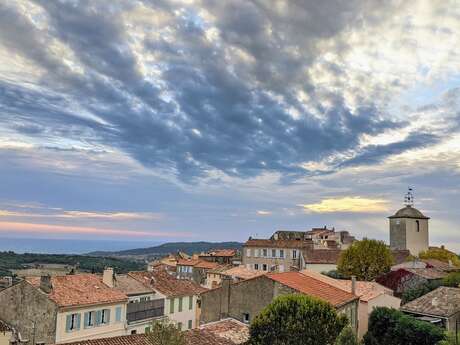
(320, 267)
(397, 233)
(185, 315)
(213, 280)
(114, 328)
(416, 242)
(286, 262)
(5, 338)
(22, 304)
(450, 324)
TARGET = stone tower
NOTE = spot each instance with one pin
(409, 228)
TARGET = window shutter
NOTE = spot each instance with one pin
(68, 322)
(78, 321)
(86, 320)
(190, 302)
(107, 316)
(98, 317)
(118, 314)
(180, 303)
(171, 306)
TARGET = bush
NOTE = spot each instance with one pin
(346, 337)
(452, 279)
(296, 320)
(440, 254)
(419, 291)
(392, 327)
(366, 259)
(164, 332)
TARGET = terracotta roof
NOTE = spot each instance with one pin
(440, 265)
(133, 339)
(166, 284)
(444, 302)
(321, 256)
(242, 272)
(278, 243)
(222, 252)
(230, 329)
(130, 286)
(198, 263)
(79, 290)
(428, 273)
(187, 262)
(313, 287)
(205, 337)
(4, 327)
(365, 290)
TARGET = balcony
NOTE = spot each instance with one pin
(145, 310)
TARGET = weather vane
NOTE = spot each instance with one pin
(409, 197)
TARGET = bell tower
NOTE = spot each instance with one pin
(409, 227)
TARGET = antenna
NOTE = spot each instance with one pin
(409, 198)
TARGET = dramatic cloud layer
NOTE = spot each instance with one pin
(228, 110)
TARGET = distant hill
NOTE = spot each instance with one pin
(173, 247)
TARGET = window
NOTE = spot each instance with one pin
(105, 316)
(246, 318)
(294, 254)
(190, 302)
(418, 225)
(73, 322)
(190, 324)
(133, 331)
(248, 253)
(281, 253)
(171, 306)
(147, 329)
(256, 253)
(145, 299)
(256, 266)
(264, 253)
(264, 267)
(179, 326)
(118, 314)
(89, 319)
(273, 253)
(180, 304)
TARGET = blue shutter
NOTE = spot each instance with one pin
(78, 321)
(86, 320)
(68, 322)
(107, 316)
(98, 317)
(118, 314)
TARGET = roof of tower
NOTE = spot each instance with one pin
(409, 212)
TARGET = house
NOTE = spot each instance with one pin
(238, 273)
(180, 296)
(48, 310)
(225, 332)
(321, 237)
(144, 303)
(246, 299)
(371, 295)
(404, 279)
(221, 256)
(194, 269)
(6, 282)
(440, 306)
(319, 260)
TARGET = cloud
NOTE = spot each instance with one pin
(264, 213)
(348, 204)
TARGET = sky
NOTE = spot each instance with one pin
(165, 120)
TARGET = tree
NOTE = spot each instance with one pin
(164, 332)
(414, 293)
(366, 259)
(296, 320)
(391, 327)
(452, 279)
(440, 254)
(346, 337)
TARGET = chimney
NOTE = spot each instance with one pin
(353, 285)
(45, 284)
(108, 277)
(225, 301)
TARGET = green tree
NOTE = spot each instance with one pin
(346, 337)
(414, 293)
(392, 327)
(296, 320)
(366, 259)
(164, 332)
(440, 254)
(452, 279)
(451, 339)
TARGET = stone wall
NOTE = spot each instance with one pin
(22, 305)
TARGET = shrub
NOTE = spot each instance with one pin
(419, 291)
(452, 279)
(296, 320)
(392, 327)
(346, 337)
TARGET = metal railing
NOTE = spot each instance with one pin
(145, 310)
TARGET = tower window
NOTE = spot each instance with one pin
(418, 225)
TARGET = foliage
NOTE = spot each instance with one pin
(334, 274)
(414, 293)
(440, 254)
(164, 332)
(296, 320)
(346, 337)
(392, 327)
(366, 259)
(452, 279)
(450, 340)
(10, 261)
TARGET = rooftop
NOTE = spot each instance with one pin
(409, 212)
(166, 284)
(268, 243)
(4, 327)
(427, 273)
(221, 253)
(230, 329)
(313, 287)
(79, 290)
(242, 272)
(444, 302)
(130, 286)
(321, 256)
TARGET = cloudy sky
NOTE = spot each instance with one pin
(217, 120)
